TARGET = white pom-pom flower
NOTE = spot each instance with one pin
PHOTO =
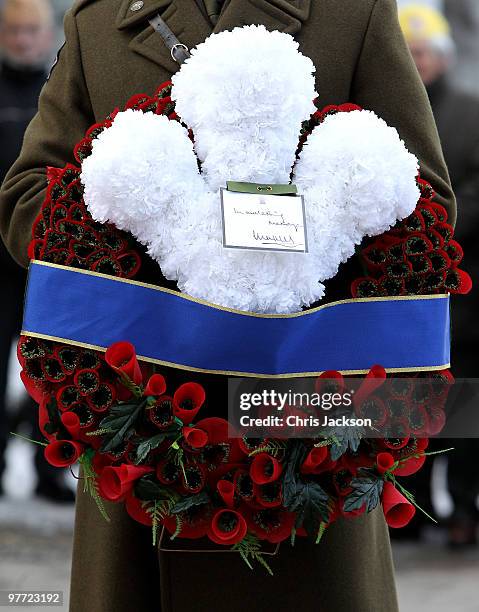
(245, 95)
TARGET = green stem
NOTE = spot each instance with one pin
(12, 433)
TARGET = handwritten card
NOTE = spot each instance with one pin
(263, 221)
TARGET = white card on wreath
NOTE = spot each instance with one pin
(263, 221)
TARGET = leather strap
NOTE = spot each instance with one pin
(179, 51)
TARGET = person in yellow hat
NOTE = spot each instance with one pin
(428, 36)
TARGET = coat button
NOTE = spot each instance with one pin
(137, 6)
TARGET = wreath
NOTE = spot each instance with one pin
(146, 174)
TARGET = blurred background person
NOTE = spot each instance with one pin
(457, 116)
(463, 16)
(26, 40)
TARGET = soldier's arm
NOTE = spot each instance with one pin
(386, 81)
(63, 116)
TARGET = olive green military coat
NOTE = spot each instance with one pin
(111, 53)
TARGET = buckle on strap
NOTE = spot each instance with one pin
(179, 51)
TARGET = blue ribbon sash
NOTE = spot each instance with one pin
(94, 310)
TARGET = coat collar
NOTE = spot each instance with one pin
(191, 26)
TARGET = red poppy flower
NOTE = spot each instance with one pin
(412, 457)
(187, 401)
(102, 399)
(244, 486)
(121, 356)
(116, 481)
(398, 511)
(71, 421)
(62, 453)
(193, 477)
(227, 491)
(394, 443)
(221, 452)
(135, 508)
(268, 495)
(44, 418)
(228, 527)
(271, 524)
(161, 414)
(265, 468)
(167, 472)
(195, 437)
(155, 386)
(315, 458)
(384, 462)
(33, 389)
(373, 380)
(329, 382)
(195, 522)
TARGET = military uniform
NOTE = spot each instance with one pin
(112, 52)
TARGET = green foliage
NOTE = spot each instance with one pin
(90, 485)
(343, 439)
(146, 446)
(158, 511)
(120, 425)
(249, 548)
(147, 488)
(366, 492)
(307, 498)
(186, 503)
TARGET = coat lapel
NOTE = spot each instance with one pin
(189, 23)
(283, 15)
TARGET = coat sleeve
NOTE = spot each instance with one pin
(63, 116)
(387, 82)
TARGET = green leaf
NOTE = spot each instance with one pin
(312, 505)
(188, 502)
(117, 415)
(250, 550)
(145, 447)
(344, 439)
(90, 481)
(296, 455)
(366, 491)
(147, 488)
(120, 423)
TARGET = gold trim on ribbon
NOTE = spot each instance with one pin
(303, 313)
(179, 366)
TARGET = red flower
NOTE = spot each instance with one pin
(71, 421)
(271, 524)
(195, 437)
(398, 511)
(135, 509)
(384, 462)
(193, 477)
(187, 401)
(373, 380)
(156, 385)
(161, 414)
(121, 356)
(227, 527)
(329, 382)
(115, 482)
(412, 457)
(62, 453)
(265, 468)
(195, 522)
(167, 472)
(315, 458)
(227, 491)
(269, 495)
